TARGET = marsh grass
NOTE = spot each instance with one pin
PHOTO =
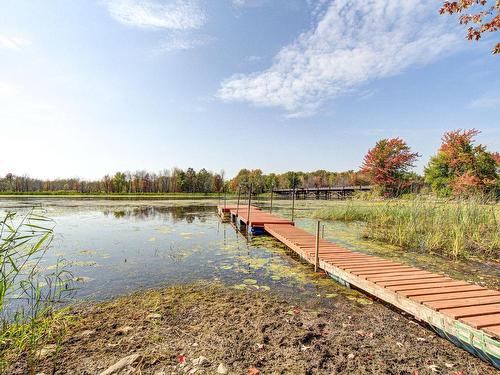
(28, 297)
(451, 228)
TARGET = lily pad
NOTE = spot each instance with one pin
(240, 287)
(82, 279)
(84, 264)
(88, 252)
(250, 281)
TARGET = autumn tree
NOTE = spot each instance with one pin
(462, 168)
(483, 15)
(388, 165)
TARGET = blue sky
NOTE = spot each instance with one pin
(92, 87)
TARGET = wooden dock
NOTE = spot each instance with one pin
(465, 313)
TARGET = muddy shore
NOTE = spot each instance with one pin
(209, 328)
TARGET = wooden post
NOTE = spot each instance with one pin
(238, 204)
(225, 198)
(323, 231)
(272, 191)
(249, 205)
(293, 202)
(316, 258)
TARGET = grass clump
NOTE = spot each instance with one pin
(353, 211)
(450, 228)
(29, 321)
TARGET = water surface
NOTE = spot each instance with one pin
(117, 248)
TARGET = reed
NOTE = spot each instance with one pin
(452, 228)
(28, 296)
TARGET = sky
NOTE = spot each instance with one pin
(88, 88)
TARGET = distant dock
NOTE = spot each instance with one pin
(331, 192)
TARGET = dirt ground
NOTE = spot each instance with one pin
(207, 329)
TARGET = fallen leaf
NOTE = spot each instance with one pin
(181, 359)
(253, 371)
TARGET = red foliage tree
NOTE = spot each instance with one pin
(461, 166)
(388, 164)
(485, 16)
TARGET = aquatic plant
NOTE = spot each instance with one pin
(28, 297)
(457, 228)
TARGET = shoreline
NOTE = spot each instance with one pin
(197, 327)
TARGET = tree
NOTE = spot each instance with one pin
(190, 180)
(203, 181)
(483, 14)
(462, 168)
(119, 182)
(388, 164)
(241, 180)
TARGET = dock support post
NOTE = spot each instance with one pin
(323, 232)
(225, 198)
(293, 203)
(316, 258)
(238, 204)
(272, 191)
(249, 205)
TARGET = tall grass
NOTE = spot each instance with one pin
(452, 228)
(28, 297)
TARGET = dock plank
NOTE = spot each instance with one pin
(464, 312)
(462, 302)
(440, 290)
(482, 321)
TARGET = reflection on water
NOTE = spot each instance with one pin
(119, 249)
(178, 213)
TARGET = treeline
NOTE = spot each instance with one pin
(461, 167)
(166, 181)
(183, 181)
(321, 178)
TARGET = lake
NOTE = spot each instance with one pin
(117, 247)
(114, 248)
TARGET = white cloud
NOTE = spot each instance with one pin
(352, 42)
(13, 42)
(486, 101)
(248, 3)
(174, 15)
(178, 41)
